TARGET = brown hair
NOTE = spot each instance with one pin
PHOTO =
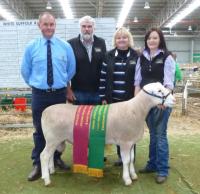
(162, 44)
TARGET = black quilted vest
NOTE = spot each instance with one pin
(153, 71)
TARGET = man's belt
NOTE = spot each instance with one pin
(49, 90)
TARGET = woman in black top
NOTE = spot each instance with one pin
(117, 73)
(156, 65)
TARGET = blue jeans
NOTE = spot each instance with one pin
(87, 98)
(157, 120)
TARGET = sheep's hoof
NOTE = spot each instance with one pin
(128, 182)
(134, 176)
(47, 182)
(49, 185)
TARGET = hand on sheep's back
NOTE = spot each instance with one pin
(104, 102)
(70, 95)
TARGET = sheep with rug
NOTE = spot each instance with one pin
(124, 127)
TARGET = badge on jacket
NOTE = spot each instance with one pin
(159, 61)
(132, 62)
(97, 50)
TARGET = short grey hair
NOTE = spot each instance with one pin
(87, 18)
(45, 13)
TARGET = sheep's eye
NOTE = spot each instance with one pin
(160, 91)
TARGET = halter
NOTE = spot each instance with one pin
(161, 97)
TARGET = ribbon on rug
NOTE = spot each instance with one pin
(97, 140)
(80, 135)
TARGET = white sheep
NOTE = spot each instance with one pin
(125, 127)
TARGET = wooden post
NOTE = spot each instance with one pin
(184, 99)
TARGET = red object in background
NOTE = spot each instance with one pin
(20, 104)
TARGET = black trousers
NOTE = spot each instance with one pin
(41, 99)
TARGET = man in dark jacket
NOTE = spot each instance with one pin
(89, 51)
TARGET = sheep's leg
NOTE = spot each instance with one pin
(60, 148)
(51, 165)
(132, 169)
(125, 154)
(45, 157)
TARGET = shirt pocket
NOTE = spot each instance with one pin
(61, 63)
(39, 64)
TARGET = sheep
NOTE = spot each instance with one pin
(125, 127)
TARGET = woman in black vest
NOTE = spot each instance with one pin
(116, 81)
(156, 65)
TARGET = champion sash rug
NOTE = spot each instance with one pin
(97, 140)
(80, 135)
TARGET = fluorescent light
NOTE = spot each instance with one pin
(135, 20)
(183, 13)
(66, 8)
(189, 28)
(6, 15)
(146, 5)
(48, 5)
(124, 12)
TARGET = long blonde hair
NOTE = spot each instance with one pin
(123, 31)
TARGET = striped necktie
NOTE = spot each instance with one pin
(49, 65)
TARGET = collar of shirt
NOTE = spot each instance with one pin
(116, 53)
(44, 40)
(147, 55)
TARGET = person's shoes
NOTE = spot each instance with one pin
(61, 165)
(146, 170)
(118, 162)
(35, 173)
(160, 179)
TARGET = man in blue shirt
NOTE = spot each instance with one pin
(47, 66)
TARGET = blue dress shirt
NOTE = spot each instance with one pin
(34, 63)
